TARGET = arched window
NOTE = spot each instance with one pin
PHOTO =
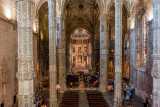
(144, 39)
(141, 41)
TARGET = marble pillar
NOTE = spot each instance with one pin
(25, 74)
(52, 53)
(156, 53)
(118, 53)
(104, 52)
(61, 51)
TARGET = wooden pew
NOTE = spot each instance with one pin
(96, 99)
(70, 99)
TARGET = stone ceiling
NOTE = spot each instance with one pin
(81, 13)
(9, 6)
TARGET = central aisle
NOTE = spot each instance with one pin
(81, 83)
(83, 101)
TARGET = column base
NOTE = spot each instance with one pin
(63, 87)
(117, 104)
(53, 103)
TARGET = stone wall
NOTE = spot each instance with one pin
(140, 75)
(8, 55)
(8, 62)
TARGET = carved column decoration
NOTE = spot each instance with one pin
(104, 52)
(156, 53)
(61, 51)
(52, 52)
(25, 74)
(118, 53)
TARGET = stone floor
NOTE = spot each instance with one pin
(83, 101)
(133, 102)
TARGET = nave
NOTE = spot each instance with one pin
(84, 97)
(51, 47)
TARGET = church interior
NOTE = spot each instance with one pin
(80, 53)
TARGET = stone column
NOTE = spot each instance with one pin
(104, 49)
(93, 55)
(68, 46)
(35, 39)
(156, 53)
(118, 53)
(132, 55)
(61, 50)
(25, 74)
(52, 53)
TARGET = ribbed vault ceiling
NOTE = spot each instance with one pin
(81, 13)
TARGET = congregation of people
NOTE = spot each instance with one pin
(128, 90)
(72, 80)
(91, 81)
(40, 101)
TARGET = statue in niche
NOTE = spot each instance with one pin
(79, 49)
(80, 59)
(85, 49)
(85, 58)
(74, 60)
(73, 49)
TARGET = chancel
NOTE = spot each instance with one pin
(80, 53)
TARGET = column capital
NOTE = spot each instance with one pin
(103, 16)
(59, 17)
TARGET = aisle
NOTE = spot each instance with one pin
(81, 83)
(83, 100)
(135, 101)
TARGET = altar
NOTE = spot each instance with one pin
(80, 51)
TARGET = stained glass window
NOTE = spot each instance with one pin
(144, 39)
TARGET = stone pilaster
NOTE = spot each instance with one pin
(156, 53)
(25, 74)
(61, 51)
(104, 52)
(52, 53)
(118, 53)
